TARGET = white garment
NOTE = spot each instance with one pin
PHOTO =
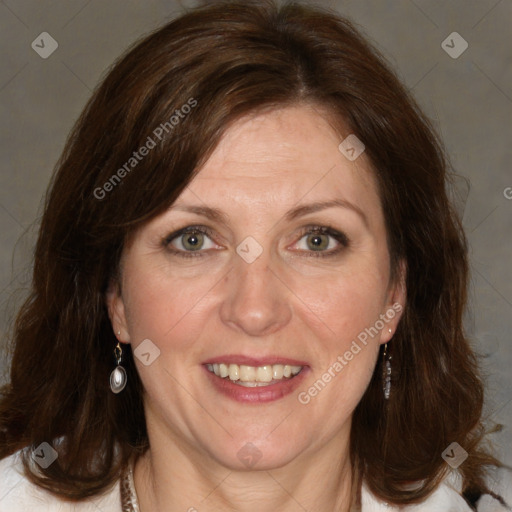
(18, 494)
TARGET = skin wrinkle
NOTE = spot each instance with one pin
(283, 303)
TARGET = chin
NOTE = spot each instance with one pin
(258, 455)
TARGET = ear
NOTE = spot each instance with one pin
(395, 303)
(116, 312)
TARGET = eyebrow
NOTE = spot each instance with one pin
(299, 211)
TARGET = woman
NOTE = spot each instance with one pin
(248, 288)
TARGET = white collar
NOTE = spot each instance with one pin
(18, 494)
(446, 498)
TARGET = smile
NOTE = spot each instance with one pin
(254, 376)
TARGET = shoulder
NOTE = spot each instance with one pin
(499, 482)
(447, 497)
(18, 494)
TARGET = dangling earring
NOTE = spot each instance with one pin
(118, 377)
(386, 371)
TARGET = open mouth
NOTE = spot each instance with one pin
(254, 376)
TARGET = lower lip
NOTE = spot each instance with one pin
(259, 394)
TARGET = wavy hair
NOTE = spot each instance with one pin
(224, 61)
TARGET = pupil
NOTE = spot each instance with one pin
(193, 241)
(316, 241)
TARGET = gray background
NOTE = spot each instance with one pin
(468, 98)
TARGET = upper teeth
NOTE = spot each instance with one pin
(245, 373)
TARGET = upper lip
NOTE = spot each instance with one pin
(254, 361)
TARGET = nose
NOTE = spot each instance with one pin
(256, 303)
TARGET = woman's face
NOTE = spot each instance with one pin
(284, 267)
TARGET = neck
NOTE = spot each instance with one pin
(177, 480)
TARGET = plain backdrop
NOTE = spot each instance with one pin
(468, 97)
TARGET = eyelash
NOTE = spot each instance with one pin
(340, 237)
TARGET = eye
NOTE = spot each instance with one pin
(322, 240)
(192, 239)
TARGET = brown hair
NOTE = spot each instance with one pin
(225, 61)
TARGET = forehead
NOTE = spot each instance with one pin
(282, 158)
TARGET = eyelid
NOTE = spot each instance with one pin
(187, 229)
(166, 241)
(326, 230)
(339, 236)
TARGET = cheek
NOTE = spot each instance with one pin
(162, 307)
(342, 315)
(342, 304)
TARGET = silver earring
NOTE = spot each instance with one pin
(386, 372)
(118, 377)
